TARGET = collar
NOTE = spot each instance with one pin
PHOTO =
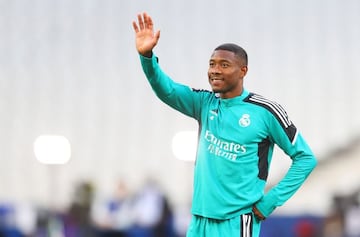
(236, 99)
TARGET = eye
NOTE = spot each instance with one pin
(211, 64)
(225, 65)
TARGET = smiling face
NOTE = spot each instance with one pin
(226, 73)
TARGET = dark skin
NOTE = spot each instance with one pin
(226, 73)
(226, 70)
(146, 38)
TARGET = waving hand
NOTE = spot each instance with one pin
(146, 38)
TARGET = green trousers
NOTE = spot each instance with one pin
(245, 225)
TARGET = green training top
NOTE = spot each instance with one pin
(235, 146)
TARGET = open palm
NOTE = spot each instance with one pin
(146, 39)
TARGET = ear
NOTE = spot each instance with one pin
(244, 70)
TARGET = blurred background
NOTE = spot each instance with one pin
(70, 74)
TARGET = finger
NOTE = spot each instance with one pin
(136, 28)
(148, 22)
(157, 35)
(141, 23)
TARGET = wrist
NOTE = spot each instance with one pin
(147, 54)
(258, 214)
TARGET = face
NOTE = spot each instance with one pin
(226, 73)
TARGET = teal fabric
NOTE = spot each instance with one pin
(234, 227)
(235, 147)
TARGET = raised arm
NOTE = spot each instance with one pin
(146, 38)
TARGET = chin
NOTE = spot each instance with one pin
(216, 90)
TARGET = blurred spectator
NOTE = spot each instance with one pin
(153, 215)
(165, 226)
(145, 214)
(8, 226)
(77, 221)
(113, 216)
(26, 218)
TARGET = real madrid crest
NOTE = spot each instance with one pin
(244, 121)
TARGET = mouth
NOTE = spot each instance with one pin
(216, 79)
(216, 83)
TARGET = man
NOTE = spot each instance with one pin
(237, 134)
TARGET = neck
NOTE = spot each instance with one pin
(231, 94)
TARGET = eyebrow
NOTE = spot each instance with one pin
(220, 60)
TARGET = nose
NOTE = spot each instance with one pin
(214, 69)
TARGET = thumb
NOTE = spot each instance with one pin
(157, 35)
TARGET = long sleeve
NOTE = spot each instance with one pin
(176, 95)
(303, 162)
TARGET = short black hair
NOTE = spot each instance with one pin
(236, 49)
